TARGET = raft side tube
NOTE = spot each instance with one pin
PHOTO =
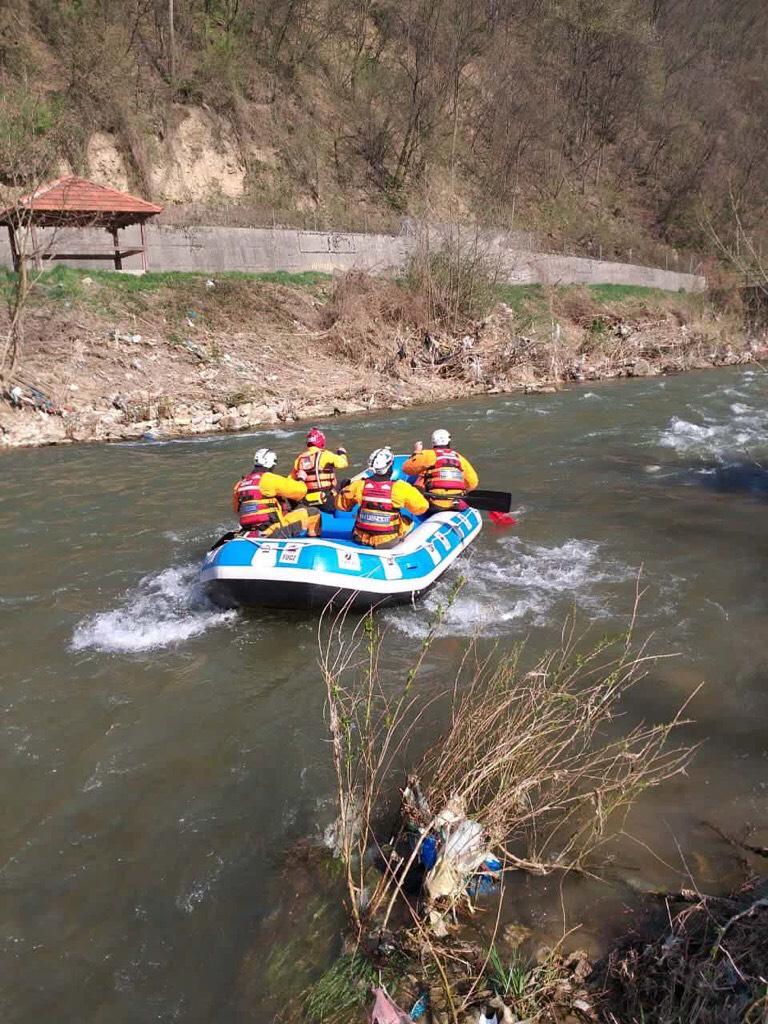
(309, 572)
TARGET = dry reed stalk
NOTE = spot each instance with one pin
(370, 728)
(525, 754)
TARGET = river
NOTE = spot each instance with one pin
(161, 760)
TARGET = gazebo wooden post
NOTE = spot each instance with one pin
(144, 261)
(35, 247)
(14, 247)
(118, 258)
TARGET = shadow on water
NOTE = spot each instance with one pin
(737, 477)
(726, 474)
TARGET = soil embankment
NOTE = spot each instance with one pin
(109, 357)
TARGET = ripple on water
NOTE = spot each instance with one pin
(747, 428)
(522, 585)
(165, 608)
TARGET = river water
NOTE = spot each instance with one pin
(161, 760)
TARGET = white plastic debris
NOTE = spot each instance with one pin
(464, 850)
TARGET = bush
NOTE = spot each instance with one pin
(459, 281)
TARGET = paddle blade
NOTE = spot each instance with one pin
(489, 501)
(502, 519)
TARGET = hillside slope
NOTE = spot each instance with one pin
(624, 127)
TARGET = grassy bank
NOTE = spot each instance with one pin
(120, 355)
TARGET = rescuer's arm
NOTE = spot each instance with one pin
(471, 479)
(284, 487)
(406, 495)
(235, 502)
(350, 496)
(339, 461)
(418, 463)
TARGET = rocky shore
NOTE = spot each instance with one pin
(196, 357)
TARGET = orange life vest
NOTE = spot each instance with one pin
(255, 510)
(445, 480)
(377, 515)
(318, 478)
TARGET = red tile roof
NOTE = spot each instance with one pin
(78, 196)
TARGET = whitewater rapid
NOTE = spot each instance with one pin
(163, 609)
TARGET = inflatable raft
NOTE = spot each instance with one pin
(309, 572)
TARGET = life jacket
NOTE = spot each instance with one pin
(377, 515)
(318, 478)
(255, 510)
(445, 480)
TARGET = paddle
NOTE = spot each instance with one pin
(502, 519)
(489, 501)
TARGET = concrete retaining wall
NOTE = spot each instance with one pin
(215, 249)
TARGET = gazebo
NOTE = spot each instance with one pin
(73, 202)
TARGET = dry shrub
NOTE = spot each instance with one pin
(527, 756)
(524, 753)
(457, 274)
(364, 312)
(577, 303)
(707, 967)
(360, 299)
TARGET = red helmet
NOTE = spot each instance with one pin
(316, 437)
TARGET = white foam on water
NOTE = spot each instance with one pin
(163, 442)
(748, 428)
(590, 394)
(200, 889)
(523, 584)
(165, 608)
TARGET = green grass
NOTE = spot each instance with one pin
(519, 295)
(507, 979)
(619, 292)
(341, 991)
(66, 283)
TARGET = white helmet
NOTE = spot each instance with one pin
(382, 460)
(265, 458)
(441, 439)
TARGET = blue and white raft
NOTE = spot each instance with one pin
(310, 572)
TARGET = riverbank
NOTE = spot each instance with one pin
(108, 357)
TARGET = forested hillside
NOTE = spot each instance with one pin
(629, 125)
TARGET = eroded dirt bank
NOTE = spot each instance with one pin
(108, 357)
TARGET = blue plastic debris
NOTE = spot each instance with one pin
(419, 1008)
(428, 852)
(482, 885)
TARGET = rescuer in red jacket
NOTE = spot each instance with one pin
(261, 499)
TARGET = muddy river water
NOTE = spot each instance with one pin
(163, 761)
